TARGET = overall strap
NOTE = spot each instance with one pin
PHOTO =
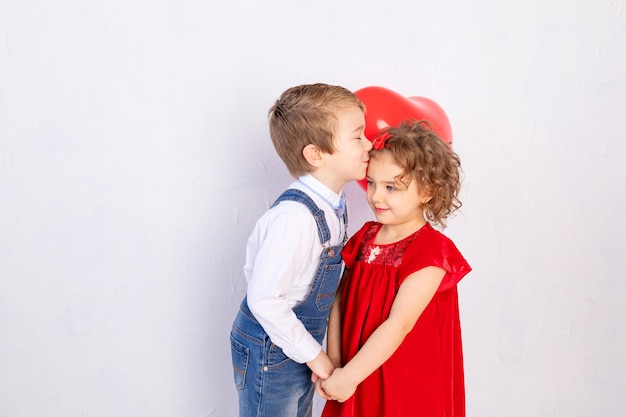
(345, 225)
(292, 194)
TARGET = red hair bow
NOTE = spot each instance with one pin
(380, 141)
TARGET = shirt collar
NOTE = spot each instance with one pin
(329, 195)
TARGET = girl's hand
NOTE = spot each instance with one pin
(339, 386)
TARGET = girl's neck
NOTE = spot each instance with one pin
(392, 233)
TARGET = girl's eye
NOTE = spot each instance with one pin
(370, 183)
(391, 188)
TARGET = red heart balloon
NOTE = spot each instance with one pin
(387, 108)
(431, 111)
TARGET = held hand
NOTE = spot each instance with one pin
(320, 391)
(339, 386)
(321, 366)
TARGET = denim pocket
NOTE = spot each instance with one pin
(276, 357)
(240, 354)
(328, 286)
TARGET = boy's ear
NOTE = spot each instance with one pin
(313, 155)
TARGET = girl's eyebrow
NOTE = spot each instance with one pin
(383, 182)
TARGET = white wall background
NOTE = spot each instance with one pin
(135, 158)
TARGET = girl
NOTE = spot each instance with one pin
(395, 324)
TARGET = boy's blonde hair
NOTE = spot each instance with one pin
(304, 115)
(424, 157)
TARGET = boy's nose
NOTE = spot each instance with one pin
(367, 145)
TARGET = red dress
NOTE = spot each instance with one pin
(424, 376)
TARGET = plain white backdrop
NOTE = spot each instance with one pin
(135, 159)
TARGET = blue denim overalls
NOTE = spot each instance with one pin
(270, 384)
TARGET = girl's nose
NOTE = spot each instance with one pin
(376, 194)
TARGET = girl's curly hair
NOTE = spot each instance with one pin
(427, 159)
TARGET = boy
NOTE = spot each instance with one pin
(293, 259)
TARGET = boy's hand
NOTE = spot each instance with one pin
(321, 366)
(339, 386)
(320, 391)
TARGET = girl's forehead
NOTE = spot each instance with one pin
(384, 166)
(383, 157)
(384, 163)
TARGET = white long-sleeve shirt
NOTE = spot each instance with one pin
(282, 257)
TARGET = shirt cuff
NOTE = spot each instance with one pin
(304, 351)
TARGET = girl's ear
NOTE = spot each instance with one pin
(427, 195)
(313, 155)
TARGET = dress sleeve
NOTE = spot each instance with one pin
(432, 248)
(351, 249)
